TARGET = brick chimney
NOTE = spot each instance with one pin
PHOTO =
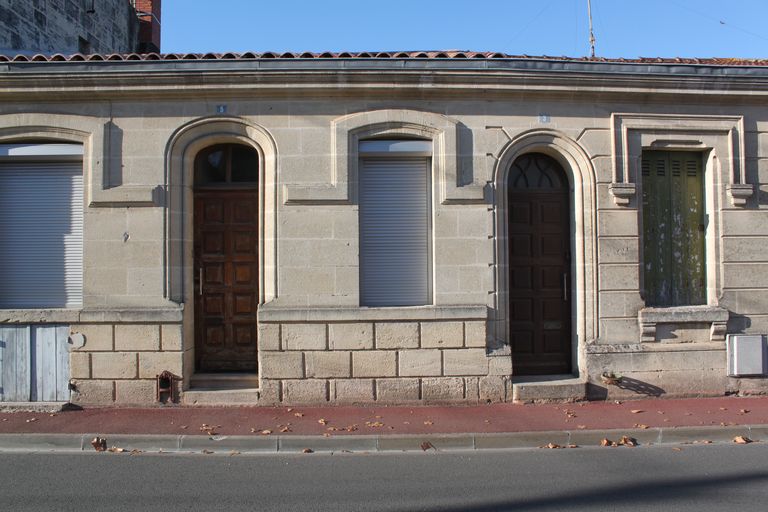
(148, 12)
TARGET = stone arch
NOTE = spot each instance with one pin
(181, 149)
(583, 186)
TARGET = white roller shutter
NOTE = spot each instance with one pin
(41, 235)
(394, 201)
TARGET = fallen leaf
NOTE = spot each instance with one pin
(377, 417)
(742, 440)
(115, 449)
(322, 421)
(184, 427)
(572, 446)
(641, 426)
(285, 429)
(52, 415)
(351, 428)
(551, 446)
(689, 414)
(659, 412)
(289, 409)
(426, 445)
(617, 402)
(209, 429)
(207, 452)
(676, 449)
(31, 420)
(234, 452)
(326, 434)
(607, 442)
(429, 422)
(298, 414)
(636, 411)
(628, 441)
(307, 450)
(5, 419)
(486, 421)
(705, 441)
(723, 408)
(265, 432)
(99, 444)
(374, 424)
(744, 411)
(406, 423)
(135, 452)
(581, 427)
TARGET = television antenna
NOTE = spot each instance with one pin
(591, 32)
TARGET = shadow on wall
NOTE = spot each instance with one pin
(638, 387)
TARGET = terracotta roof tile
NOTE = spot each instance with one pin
(446, 54)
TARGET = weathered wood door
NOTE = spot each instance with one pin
(34, 363)
(673, 229)
(539, 266)
(226, 284)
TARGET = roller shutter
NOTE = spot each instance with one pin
(41, 235)
(394, 201)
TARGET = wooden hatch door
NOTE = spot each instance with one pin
(226, 242)
(539, 266)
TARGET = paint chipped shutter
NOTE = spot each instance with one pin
(673, 228)
(41, 234)
(394, 231)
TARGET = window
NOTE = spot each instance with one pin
(41, 226)
(394, 199)
(673, 228)
(224, 164)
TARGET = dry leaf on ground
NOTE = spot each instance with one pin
(298, 414)
(207, 452)
(743, 411)
(99, 444)
(307, 450)
(641, 426)
(31, 420)
(115, 449)
(265, 432)
(322, 421)
(636, 411)
(607, 442)
(742, 440)
(426, 445)
(551, 446)
(429, 422)
(676, 449)
(628, 441)
(374, 424)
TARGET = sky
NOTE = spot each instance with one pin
(622, 28)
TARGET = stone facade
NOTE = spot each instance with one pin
(70, 26)
(315, 343)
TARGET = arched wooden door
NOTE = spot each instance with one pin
(226, 243)
(539, 266)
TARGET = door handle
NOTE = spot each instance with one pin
(565, 286)
(200, 277)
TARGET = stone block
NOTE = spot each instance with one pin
(281, 365)
(305, 391)
(135, 392)
(327, 364)
(442, 334)
(471, 389)
(79, 365)
(420, 363)
(500, 365)
(442, 389)
(356, 336)
(171, 337)
(470, 361)
(303, 337)
(397, 390)
(151, 364)
(137, 337)
(377, 363)
(475, 334)
(113, 365)
(396, 335)
(98, 337)
(269, 392)
(493, 388)
(353, 390)
(269, 336)
(94, 392)
(617, 223)
(619, 277)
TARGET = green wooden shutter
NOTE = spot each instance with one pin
(673, 228)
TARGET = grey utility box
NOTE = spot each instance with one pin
(747, 355)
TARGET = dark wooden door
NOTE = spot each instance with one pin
(539, 266)
(226, 280)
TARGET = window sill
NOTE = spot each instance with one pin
(92, 315)
(717, 317)
(273, 313)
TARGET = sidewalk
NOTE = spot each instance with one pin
(295, 429)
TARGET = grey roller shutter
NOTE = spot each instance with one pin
(41, 235)
(394, 200)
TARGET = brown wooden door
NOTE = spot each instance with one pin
(226, 280)
(539, 267)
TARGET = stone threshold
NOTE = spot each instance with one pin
(548, 388)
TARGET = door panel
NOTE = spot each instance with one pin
(226, 257)
(539, 267)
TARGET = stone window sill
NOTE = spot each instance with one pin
(273, 313)
(717, 317)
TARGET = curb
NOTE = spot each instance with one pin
(374, 444)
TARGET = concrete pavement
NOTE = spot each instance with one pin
(381, 429)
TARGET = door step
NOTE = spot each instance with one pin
(224, 381)
(549, 388)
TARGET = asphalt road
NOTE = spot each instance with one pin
(686, 478)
